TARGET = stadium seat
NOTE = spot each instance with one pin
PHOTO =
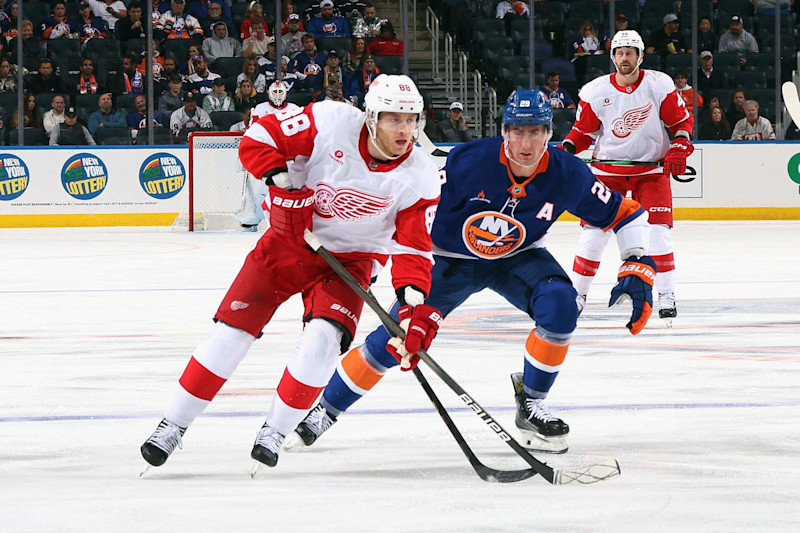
(751, 79)
(563, 119)
(45, 100)
(61, 48)
(705, 8)
(552, 15)
(602, 63)
(116, 136)
(160, 136)
(674, 63)
(8, 101)
(223, 120)
(98, 49)
(586, 9)
(542, 50)
(33, 137)
(227, 66)
(177, 49)
(563, 66)
(659, 8)
(340, 44)
(494, 49)
(299, 99)
(520, 31)
(390, 64)
(727, 61)
(650, 25)
(125, 103)
(109, 74)
(134, 46)
(37, 12)
(630, 8)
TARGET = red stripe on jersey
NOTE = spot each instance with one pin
(200, 382)
(293, 136)
(584, 267)
(586, 123)
(664, 263)
(674, 114)
(413, 230)
(295, 394)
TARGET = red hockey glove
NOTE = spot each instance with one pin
(291, 212)
(635, 282)
(421, 324)
(675, 159)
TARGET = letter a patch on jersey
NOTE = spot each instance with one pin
(546, 212)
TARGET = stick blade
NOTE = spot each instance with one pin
(586, 475)
(503, 476)
(792, 101)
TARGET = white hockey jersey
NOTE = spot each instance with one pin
(628, 122)
(363, 207)
(266, 108)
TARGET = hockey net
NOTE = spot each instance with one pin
(217, 183)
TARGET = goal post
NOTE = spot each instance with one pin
(217, 183)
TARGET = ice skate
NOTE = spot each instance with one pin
(581, 301)
(266, 448)
(316, 422)
(162, 443)
(541, 431)
(667, 308)
(250, 227)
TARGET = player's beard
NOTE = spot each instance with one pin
(627, 69)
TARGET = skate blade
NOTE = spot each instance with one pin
(540, 443)
(293, 443)
(256, 468)
(147, 468)
(668, 322)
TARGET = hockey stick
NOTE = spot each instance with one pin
(429, 147)
(586, 474)
(623, 162)
(791, 101)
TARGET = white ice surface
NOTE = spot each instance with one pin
(96, 325)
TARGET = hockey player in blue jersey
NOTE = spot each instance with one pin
(499, 198)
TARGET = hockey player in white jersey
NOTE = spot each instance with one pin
(627, 114)
(252, 212)
(368, 194)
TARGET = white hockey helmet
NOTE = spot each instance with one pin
(393, 93)
(629, 38)
(277, 93)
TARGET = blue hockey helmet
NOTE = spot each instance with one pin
(527, 107)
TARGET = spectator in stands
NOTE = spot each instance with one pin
(254, 13)
(620, 24)
(715, 126)
(364, 76)
(186, 68)
(667, 40)
(292, 38)
(159, 8)
(288, 14)
(738, 40)
(132, 26)
(31, 117)
(137, 119)
(735, 110)
(352, 10)
(89, 26)
(454, 130)
(708, 79)
(512, 9)
(218, 99)
(108, 10)
(258, 42)
(558, 97)
(203, 10)
(327, 24)
(767, 7)
(586, 44)
(105, 116)
(387, 44)
(131, 77)
(245, 96)
(333, 74)
(189, 117)
(310, 61)
(172, 99)
(686, 92)
(293, 80)
(168, 70)
(58, 25)
(752, 127)
(87, 83)
(368, 26)
(8, 21)
(55, 115)
(352, 60)
(31, 44)
(250, 72)
(177, 24)
(706, 39)
(45, 81)
(242, 124)
(267, 62)
(203, 79)
(158, 62)
(220, 44)
(8, 77)
(334, 92)
(216, 13)
(70, 132)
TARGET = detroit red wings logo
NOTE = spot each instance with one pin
(631, 120)
(348, 204)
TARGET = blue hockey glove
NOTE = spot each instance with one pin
(635, 282)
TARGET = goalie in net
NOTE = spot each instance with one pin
(221, 195)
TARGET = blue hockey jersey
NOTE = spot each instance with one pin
(485, 214)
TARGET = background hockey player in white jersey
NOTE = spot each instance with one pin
(500, 197)
(255, 192)
(625, 114)
(361, 185)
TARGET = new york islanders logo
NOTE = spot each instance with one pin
(348, 204)
(491, 235)
(631, 120)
